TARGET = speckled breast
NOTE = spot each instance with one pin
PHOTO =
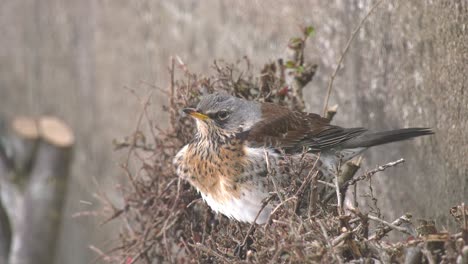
(231, 178)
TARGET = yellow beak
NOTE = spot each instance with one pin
(194, 113)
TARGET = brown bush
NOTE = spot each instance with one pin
(165, 220)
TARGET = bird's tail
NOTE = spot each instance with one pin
(370, 139)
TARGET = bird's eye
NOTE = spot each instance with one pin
(222, 115)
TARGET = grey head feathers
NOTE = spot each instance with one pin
(229, 112)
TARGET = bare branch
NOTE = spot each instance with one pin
(370, 173)
(348, 44)
(395, 225)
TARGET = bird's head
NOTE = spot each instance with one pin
(220, 111)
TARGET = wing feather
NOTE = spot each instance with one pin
(292, 130)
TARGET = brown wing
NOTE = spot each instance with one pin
(291, 130)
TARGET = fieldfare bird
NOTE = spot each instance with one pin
(239, 142)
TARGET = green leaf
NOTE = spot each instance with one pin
(290, 65)
(309, 31)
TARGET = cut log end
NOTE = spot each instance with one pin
(56, 132)
(25, 127)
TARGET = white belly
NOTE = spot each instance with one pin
(244, 208)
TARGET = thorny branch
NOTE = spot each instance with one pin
(371, 173)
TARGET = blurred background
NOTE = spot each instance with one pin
(79, 59)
